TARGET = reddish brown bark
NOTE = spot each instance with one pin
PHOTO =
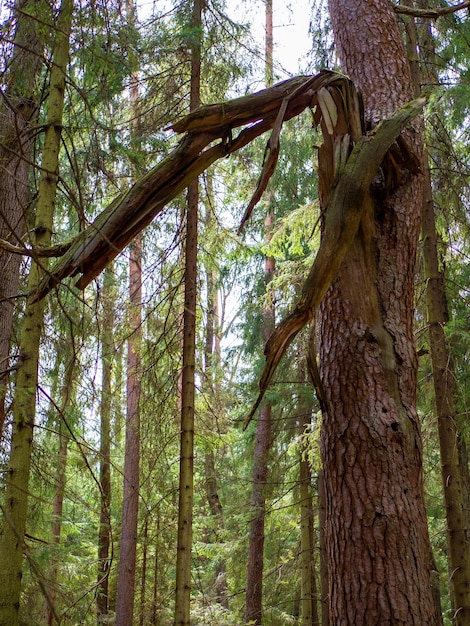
(130, 498)
(377, 541)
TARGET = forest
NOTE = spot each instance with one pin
(234, 313)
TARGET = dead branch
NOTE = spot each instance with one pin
(208, 138)
(430, 13)
(50, 252)
(344, 210)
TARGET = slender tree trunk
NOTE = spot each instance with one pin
(255, 565)
(377, 539)
(155, 590)
(18, 113)
(444, 377)
(254, 579)
(308, 597)
(211, 358)
(324, 578)
(17, 483)
(186, 477)
(220, 578)
(57, 504)
(104, 531)
(143, 580)
(445, 392)
(130, 504)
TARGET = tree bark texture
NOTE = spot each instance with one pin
(12, 541)
(18, 112)
(377, 540)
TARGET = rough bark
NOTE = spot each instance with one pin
(186, 477)
(17, 480)
(18, 113)
(377, 540)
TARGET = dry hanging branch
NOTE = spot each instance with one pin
(208, 138)
(344, 210)
(430, 13)
(353, 160)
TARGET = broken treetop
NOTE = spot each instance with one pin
(131, 212)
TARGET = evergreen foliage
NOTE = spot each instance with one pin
(98, 158)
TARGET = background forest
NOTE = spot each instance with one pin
(89, 91)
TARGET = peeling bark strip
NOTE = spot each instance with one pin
(339, 110)
(343, 213)
(127, 215)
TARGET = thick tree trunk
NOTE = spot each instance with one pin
(377, 540)
(17, 482)
(18, 112)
